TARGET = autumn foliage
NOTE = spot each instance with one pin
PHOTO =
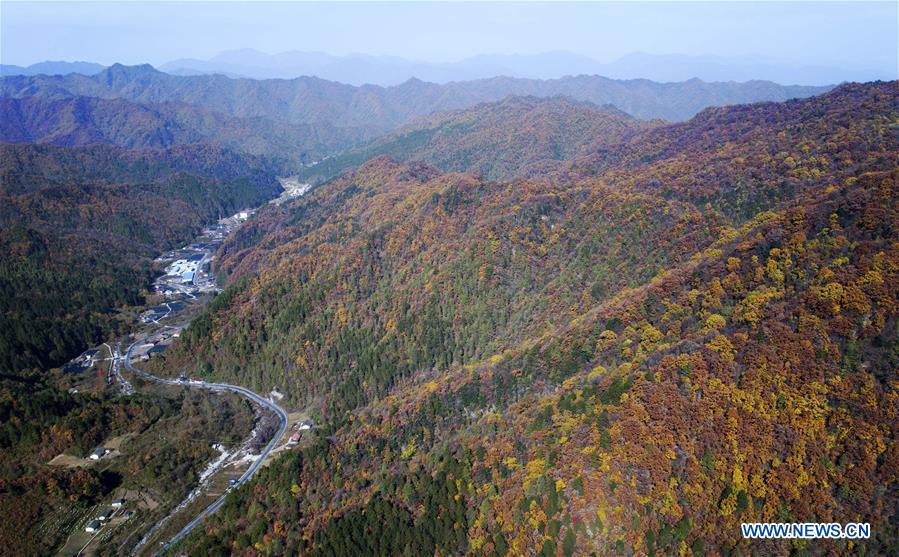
(631, 355)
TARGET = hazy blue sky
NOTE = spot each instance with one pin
(796, 32)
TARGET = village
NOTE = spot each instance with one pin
(187, 276)
(178, 293)
(188, 269)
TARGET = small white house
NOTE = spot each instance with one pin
(92, 526)
(105, 515)
(118, 503)
(305, 424)
(99, 453)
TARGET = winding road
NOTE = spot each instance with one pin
(258, 399)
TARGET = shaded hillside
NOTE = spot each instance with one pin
(79, 226)
(598, 362)
(78, 121)
(376, 110)
(499, 140)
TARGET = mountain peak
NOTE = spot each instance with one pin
(120, 74)
(137, 70)
(413, 82)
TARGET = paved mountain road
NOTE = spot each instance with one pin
(255, 397)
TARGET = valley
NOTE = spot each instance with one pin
(183, 294)
(494, 317)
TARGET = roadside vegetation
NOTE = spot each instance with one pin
(163, 439)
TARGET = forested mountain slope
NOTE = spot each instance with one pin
(398, 268)
(743, 159)
(79, 121)
(376, 110)
(78, 227)
(601, 361)
(514, 137)
(756, 382)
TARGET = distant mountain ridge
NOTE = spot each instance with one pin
(79, 121)
(52, 68)
(380, 109)
(361, 69)
(358, 69)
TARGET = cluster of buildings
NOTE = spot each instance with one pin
(188, 268)
(85, 360)
(155, 344)
(300, 427)
(99, 453)
(97, 523)
(185, 270)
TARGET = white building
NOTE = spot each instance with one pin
(92, 526)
